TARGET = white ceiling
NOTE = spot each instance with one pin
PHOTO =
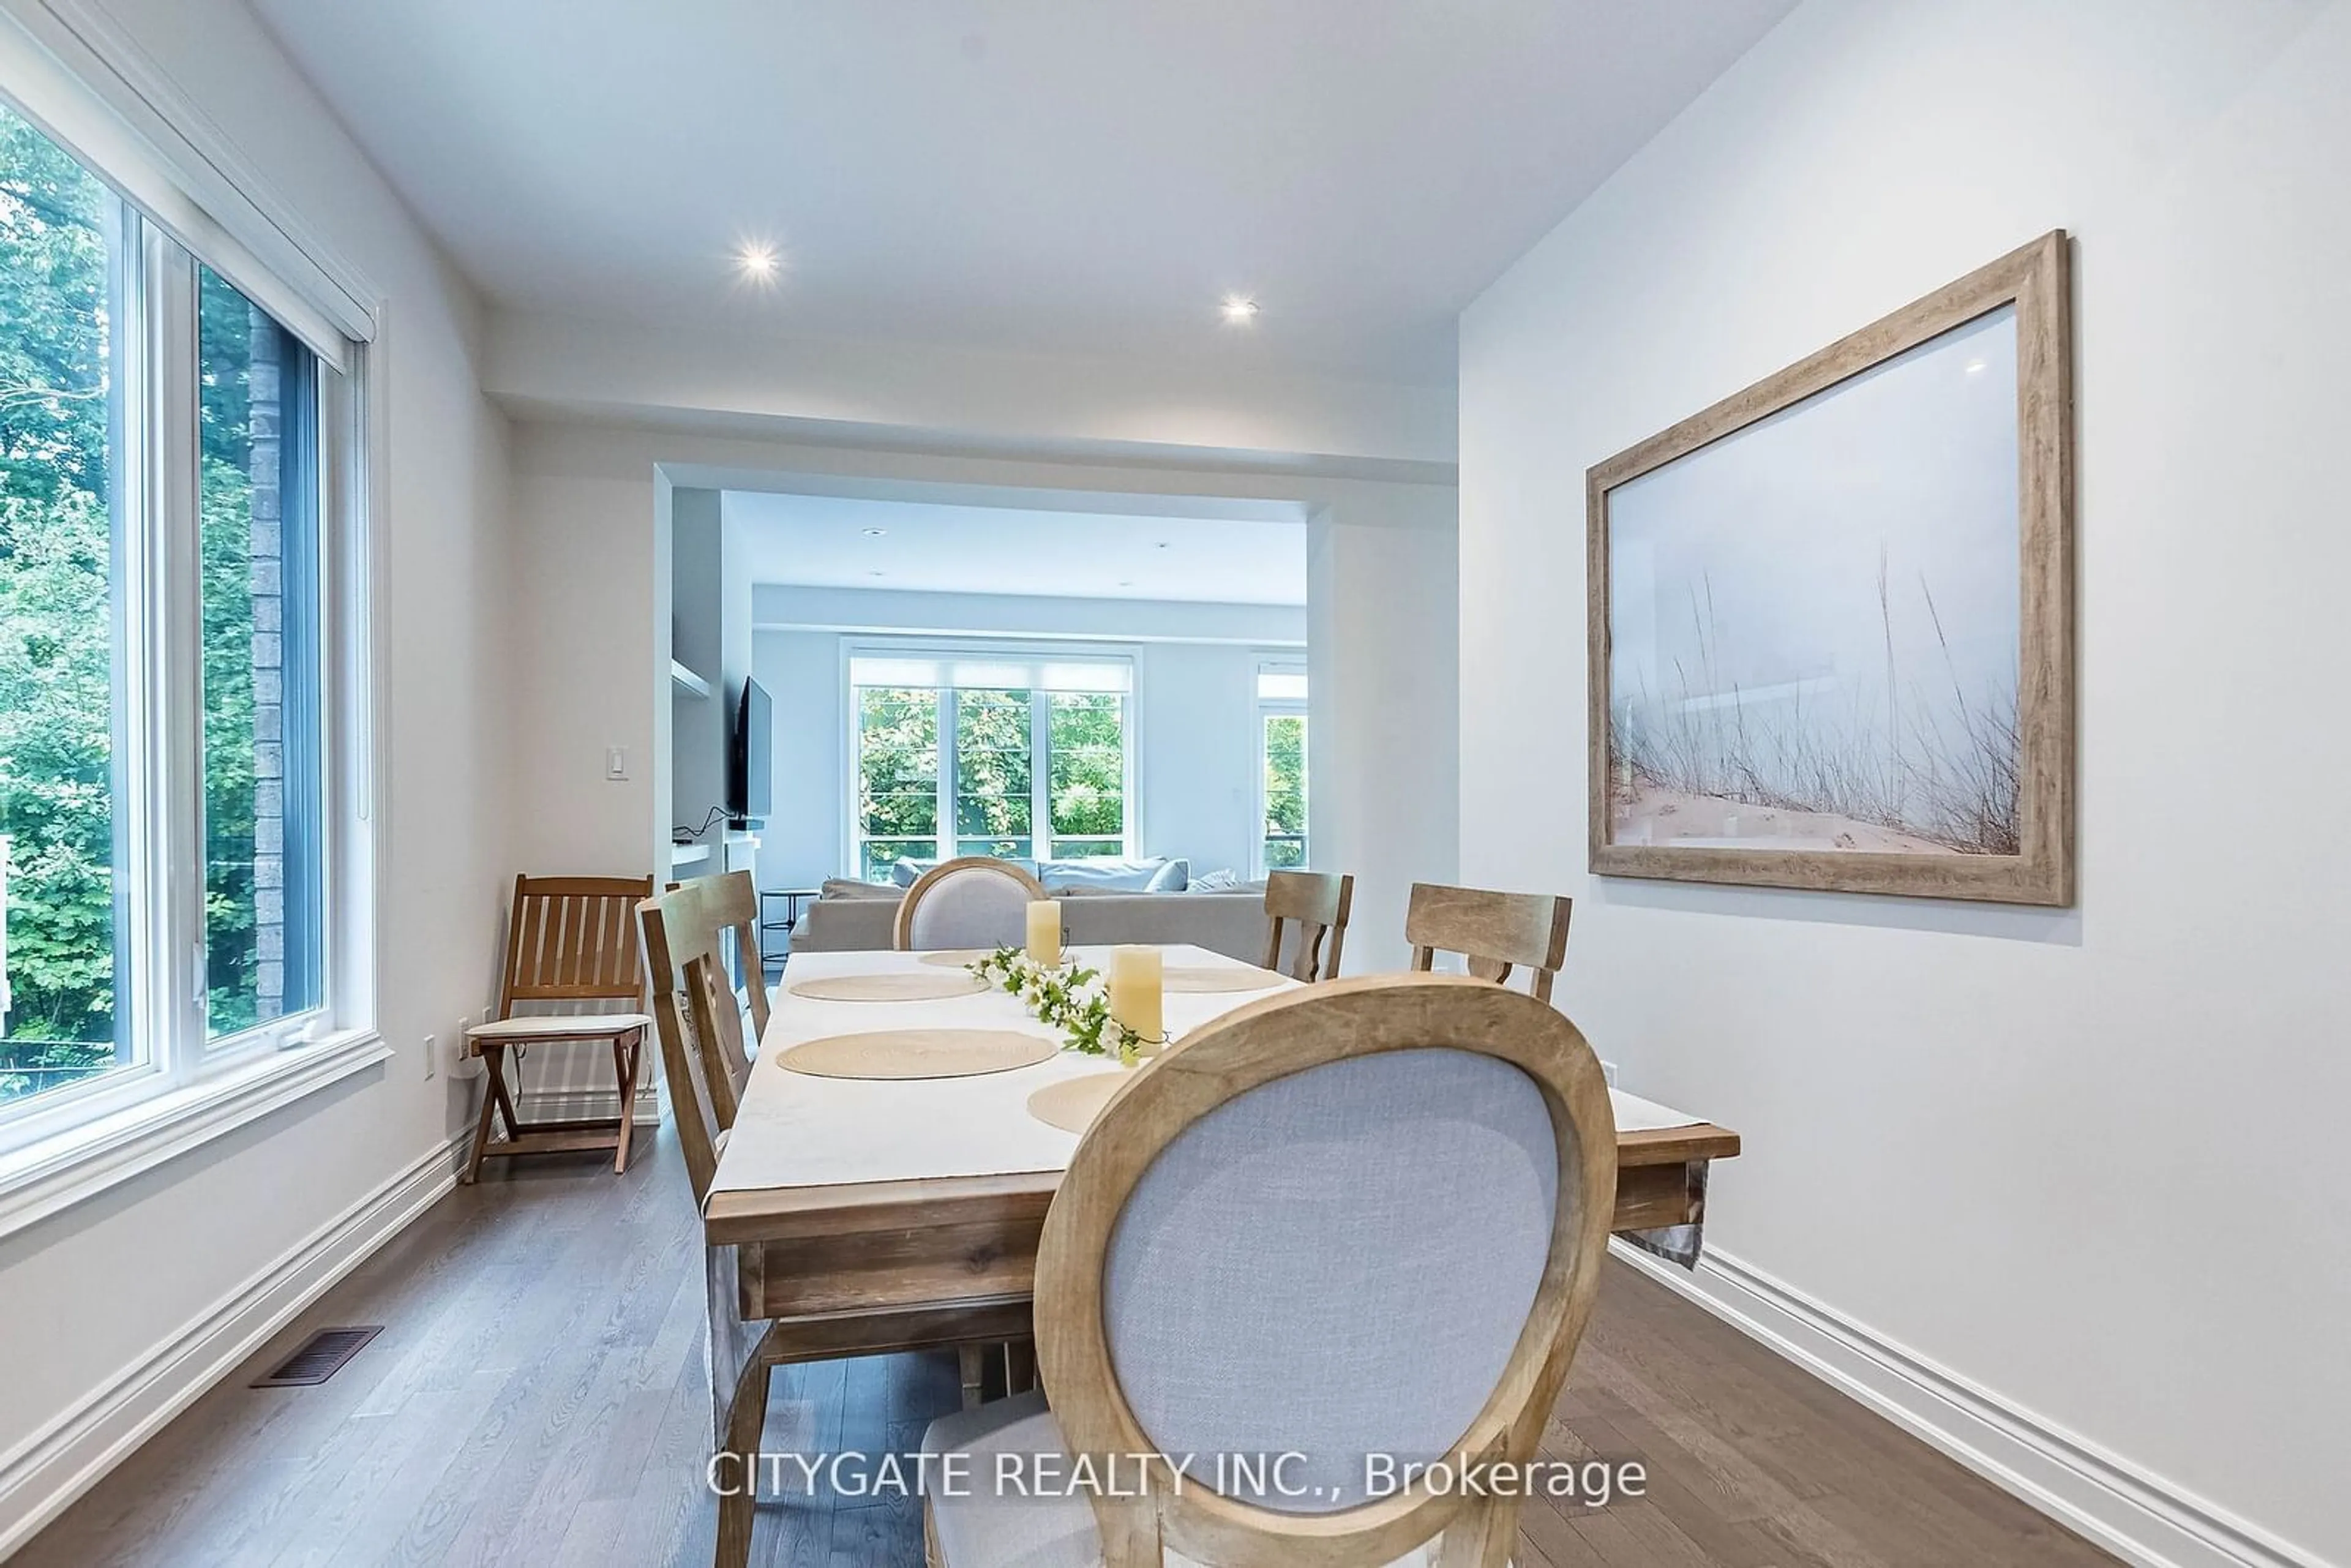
(819, 541)
(1067, 177)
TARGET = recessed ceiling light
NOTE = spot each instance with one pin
(1126, 582)
(759, 262)
(1976, 367)
(876, 574)
(1160, 545)
(875, 533)
(1239, 308)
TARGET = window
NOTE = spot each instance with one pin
(995, 788)
(1087, 744)
(983, 752)
(1281, 765)
(898, 777)
(259, 506)
(167, 454)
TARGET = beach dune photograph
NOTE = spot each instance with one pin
(1814, 621)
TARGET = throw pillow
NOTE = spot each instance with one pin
(1216, 881)
(1113, 876)
(1172, 877)
(841, 887)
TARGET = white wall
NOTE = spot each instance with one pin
(1382, 770)
(1195, 752)
(2054, 1153)
(1194, 725)
(800, 845)
(697, 618)
(112, 1290)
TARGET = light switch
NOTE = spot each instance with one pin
(616, 762)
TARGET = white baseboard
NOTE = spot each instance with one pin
(2140, 1518)
(586, 1104)
(45, 1473)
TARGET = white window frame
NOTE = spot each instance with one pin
(197, 202)
(1264, 709)
(1041, 838)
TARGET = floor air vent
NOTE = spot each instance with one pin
(322, 1355)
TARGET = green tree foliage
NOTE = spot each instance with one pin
(992, 778)
(55, 642)
(897, 775)
(1089, 770)
(898, 762)
(1285, 791)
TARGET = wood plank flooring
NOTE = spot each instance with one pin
(537, 1397)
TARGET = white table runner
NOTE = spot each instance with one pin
(1634, 1114)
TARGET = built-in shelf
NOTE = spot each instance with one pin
(688, 854)
(685, 683)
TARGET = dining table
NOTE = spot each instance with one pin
(841, 1200)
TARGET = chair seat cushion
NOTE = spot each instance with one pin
(976, 1528)
(581, 1026)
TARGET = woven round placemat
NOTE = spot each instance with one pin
(916, 1054)
(894, 988)
(952, 958)
(1074, 1103)
(1204, 980)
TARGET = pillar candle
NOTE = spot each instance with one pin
(1045, 931)
(1136, 993)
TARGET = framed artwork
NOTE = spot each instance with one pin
(1831, 617)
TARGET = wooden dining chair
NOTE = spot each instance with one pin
(977, 901)
(1445, 1158)
(1315, 904)
(1497, 932)
(730, 901)
(572, 942)
(700, 1030)
(696, 1021)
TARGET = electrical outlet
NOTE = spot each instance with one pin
(616, 763)
(432, 1056)
(459, 1063)
(1608, 1073)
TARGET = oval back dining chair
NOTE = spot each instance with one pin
(975, 902)
(1497, 932)
(1315, 904)
(1445, 1158)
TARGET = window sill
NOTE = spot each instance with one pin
(47, 1178)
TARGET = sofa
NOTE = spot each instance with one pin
(851, 916)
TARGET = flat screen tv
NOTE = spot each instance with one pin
(750, 759)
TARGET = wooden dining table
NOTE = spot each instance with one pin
(841, 1201)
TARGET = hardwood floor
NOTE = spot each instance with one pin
(537, 1397)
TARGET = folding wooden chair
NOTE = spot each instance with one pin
(570, 940)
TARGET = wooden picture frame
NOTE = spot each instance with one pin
(1886, 854)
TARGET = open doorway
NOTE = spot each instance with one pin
(1110, 690)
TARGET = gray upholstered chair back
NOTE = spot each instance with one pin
(968, 903)
(1336, 1264)
(1362, 1217)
